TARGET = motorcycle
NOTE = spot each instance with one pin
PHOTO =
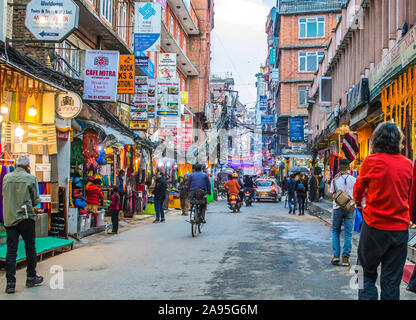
(249, 198)
(234, 202)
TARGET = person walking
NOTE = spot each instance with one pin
(20, 197)
(386, 176)
(168, 189)
(301, 192)
(115, 209)
(321, 187)
(313, 187)
(345, 182)
(184, 195)
(291, 188)
(160, 195)
(120, 187)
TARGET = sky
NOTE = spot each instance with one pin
(239, 42)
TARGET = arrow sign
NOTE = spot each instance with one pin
(48, 34)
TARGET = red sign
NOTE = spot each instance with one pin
(187, 128)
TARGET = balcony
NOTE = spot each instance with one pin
(298, 7)
(91, 23)
(170, 45)
(187, 18)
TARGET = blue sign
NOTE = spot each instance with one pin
(263, 103)
(296, 127)
(267, 119)
(145, 64)
(147, 27)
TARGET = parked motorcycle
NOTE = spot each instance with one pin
(249, 197)
(234, 202)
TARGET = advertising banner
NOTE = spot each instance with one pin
(139, 111)
(184, 97)
(272, 57)
(187, 132)
(263, 103)
(168, 97)
(101, 73)
(151, 98)
(147, 27)
(167, 65)
(68, 105)
(126, 74)
(267, 119)
(138, 125)
(296, 130)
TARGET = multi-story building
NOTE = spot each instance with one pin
(368, 64)
(303, 29)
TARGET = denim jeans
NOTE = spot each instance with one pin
(340, 216)
(160, 211)
(301, 201)
(290, 198)
(388, 248)
(26, 228)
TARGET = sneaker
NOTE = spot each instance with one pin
(335, 260)
(290, 211)
(156, 221)
(162, 221)
(34, 281)
(10, 287)
(346, 262)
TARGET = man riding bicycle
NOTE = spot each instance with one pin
(232, 186)
(200, 181)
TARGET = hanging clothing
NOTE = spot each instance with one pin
(350, 146)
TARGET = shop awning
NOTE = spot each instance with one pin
(108, 134)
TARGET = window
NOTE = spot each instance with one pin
(178, 33)
(171, 25)
(69, 61)
(122, 20)
(107, 10)
(184, 44)
(302, 95)
(308, 61)
(312, 27)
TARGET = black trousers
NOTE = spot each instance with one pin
(388, 248)
(26, 229)
(114, 219)
(412, 282)
(301, 200)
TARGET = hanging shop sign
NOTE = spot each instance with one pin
(147, 27)
(167, 65)
(68, 105)
(187, 130)
(126, 74)
(333, 120)
(151, 98)
(142, 62)
(397, 59)
(184, 97)
(358, 96)
(267, 119)
(51, 20)
(139, 110)
(272, 57)
(296, 126)
(275, 75)
(138, 125)
(101, 71)
(263, 103)
(168, 97)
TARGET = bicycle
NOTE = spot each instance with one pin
(197, 200)
(286, 198)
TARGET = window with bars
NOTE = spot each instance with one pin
(312, 27)
(107, 10)
(122, 20)
(69, 61)
(308, 61)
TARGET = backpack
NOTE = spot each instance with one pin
(301, 187)
(342, 199)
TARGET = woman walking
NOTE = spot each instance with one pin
(386, 175)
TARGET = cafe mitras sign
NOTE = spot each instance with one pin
(68, 105)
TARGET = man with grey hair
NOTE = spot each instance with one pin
(20, 196)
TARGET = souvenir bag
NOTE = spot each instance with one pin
(342, 199)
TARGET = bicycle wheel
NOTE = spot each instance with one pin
(194, 219)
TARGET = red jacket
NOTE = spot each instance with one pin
(115, 202)
(387, 179)
(94, 194)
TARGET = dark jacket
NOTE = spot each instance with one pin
(160, 189)
(291, 187)
(305, 184)
(199, 180)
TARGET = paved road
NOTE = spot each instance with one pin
(260, 253)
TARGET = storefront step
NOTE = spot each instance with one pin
(91, 231)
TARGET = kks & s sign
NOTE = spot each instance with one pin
(126, 74)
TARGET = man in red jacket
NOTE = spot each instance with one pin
(93, 194)
(386, 176)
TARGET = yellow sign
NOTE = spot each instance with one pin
(184, 97)
(125, 82)
(138, 125)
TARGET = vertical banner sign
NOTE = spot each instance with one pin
(187, 128)
(126, 74)
(184, 97)
(101, 73)
(147, 27)
(263, 103)
(296, 130)
(168, 97)
(167, 65)
(151, 98)
(139, 111)
(272, 57)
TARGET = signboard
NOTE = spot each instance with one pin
(68, 105)
(51, 20)
(45, 198)
(296, 130)
(138, 125)
(184, 97)
(142, 62)
(44, 167)
(263, 103)
(139, 111)
(147, 27)
(126, 74)
(100, 80)
(267, 119)
(167, 65)
(272, 57)
(168, 97)
(396, 59)
(151, 98)
(275, 75)
(187, 132)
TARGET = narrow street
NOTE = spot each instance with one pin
(260, 253)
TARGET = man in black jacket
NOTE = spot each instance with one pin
(160, 195)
